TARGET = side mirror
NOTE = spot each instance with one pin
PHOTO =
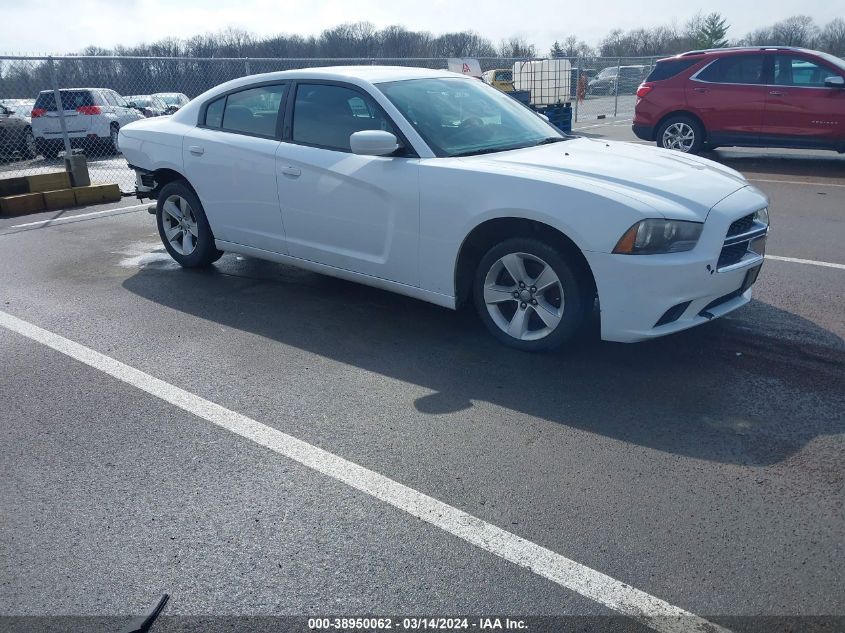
(834, 82)
(544, 117)
(373, 143)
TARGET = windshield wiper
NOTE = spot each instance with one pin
(486, 150)
(551, 139)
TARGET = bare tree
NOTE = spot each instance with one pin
(832, 37)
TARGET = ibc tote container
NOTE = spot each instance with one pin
(549, 80)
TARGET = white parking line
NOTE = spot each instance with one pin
(811, 262)
(647, 609)
(797, 182)
(68, 218)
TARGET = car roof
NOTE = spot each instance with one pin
(705, 53)
(371, 74)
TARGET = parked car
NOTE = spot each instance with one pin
(148, 105)
(173, 100)
(15, 134)
(621, 79)
(501, 78)
(368, 174)
(20, 107)
(93, 117)
(750, 97)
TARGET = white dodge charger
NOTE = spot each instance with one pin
(437, 186)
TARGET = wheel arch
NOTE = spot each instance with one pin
(492, 231)
(165, 175)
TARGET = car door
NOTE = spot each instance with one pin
(729, 96)
(230, 160)
(124, 113)
(800, 108)
(358, 213)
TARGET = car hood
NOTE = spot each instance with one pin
(676, 185)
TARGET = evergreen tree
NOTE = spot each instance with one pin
(712, 32)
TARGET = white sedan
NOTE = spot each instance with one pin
(440, 187)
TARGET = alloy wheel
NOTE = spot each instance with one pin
(679, 136)
(180, 225)
(524, 296)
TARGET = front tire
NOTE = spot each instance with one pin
(183, 227)
(681, 133)
(112, 144)
(48, 149)
(528, 295)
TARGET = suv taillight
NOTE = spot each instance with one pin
(643, 90)
(37, 112)
(89, 109)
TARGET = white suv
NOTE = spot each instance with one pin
(93, 117)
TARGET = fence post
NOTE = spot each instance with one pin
(577, 86)
(246, 65)
(60, 108)
(616, 92)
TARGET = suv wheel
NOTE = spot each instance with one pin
(528, 296)
(183, 227)
(114, 147)
(48, 149)
(681, 133)
(28, 148)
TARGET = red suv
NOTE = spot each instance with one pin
(750, 97)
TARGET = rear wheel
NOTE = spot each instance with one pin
(113, 145)
(528, 295)
(183, 227)
(681, 133)
(28, 147)
(48, 149)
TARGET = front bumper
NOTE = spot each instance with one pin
(647, 296)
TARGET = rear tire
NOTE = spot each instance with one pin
(681, 133)
(28, 148)
(183, 227)
(112, 142)
(528, 295)
(48, 149)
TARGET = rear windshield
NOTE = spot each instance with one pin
(670, 68)
(71, 100)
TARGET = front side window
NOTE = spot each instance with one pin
(459, 117)
(739, 69)
(326, 116)
(797, 71)
(252, 111)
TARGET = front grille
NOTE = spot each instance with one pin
(743, 225)
(732, 254)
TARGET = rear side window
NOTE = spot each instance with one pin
(739, 69)
(71, 100)
(252, 111)
(669, 68)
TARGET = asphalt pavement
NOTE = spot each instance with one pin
(702, 470)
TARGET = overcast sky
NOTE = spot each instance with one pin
(44, 26)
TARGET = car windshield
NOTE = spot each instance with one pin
(139, 101)
(460, 117)
(169, 99)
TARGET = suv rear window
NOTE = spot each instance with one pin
(738, 69)
(670, 68)
(71, 100)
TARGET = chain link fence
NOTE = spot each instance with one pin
(98, 94)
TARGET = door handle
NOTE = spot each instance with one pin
(196, 150)
(293, 172)
(701, 90)
(776, 93)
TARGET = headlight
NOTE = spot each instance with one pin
(762, 216)
(650, 237)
